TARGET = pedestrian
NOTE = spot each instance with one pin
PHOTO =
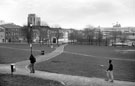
(32, 61)
(110, 71)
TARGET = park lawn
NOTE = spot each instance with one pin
(19, 52)
(21, 80)
(102, 51)
(88, 66)
(27, 46)
(14, 55)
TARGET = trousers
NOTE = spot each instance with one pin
(31, 67)
(110, 75)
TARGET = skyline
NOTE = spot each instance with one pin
(75, 14)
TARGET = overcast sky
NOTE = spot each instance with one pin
(70, 13)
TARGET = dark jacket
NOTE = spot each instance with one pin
(110, 67)
(32, 59)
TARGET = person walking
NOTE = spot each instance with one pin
(110, 72)
(32, 61)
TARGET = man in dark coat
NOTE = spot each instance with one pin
(110, 71)
(32, 61)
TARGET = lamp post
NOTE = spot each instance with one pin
(31, 37)
(31, 47)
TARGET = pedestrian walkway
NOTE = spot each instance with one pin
(68, 80)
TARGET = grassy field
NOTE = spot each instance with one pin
(103, 51)
(20, 80)
(10, 53)
(74, 64)
(27, 46)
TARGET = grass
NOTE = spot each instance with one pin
(10, 53)
(72, 64)
(27, 46)
(102, 51)
(21, 80)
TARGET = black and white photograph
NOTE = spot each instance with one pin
(67, 42)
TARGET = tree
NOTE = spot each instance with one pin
(115, 35)
(58, 34)
(89, 34)
(124, 37)
(43, 33)
(100, 36)
(80, 37)
(73, 36)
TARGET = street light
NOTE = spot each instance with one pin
(31, 58)
(31, 37)
(31, 47)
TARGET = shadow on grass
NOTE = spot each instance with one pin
(21, 80)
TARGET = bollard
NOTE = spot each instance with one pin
(13, 69)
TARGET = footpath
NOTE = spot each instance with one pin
(67, 80)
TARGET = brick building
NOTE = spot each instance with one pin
(10, 32)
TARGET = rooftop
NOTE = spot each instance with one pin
(10, 25)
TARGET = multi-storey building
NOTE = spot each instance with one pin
(49, 35)
(127, 33)
(37, 21)
(10, 32)
(2, 35)
(33, 20)
(45, 33)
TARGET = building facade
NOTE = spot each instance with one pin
(33, 20)
(2, 35)
(46, 34)
(10, 32)
(119, 33)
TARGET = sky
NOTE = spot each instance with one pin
(75, 14)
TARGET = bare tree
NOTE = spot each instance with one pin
(43, 33)
(89, 33)
(116, 34)
(58, 34)
(80, 37)
(124, 37)
(27, 33)
(73, 36)
(100, 36)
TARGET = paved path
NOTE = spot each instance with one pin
(68, 80)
